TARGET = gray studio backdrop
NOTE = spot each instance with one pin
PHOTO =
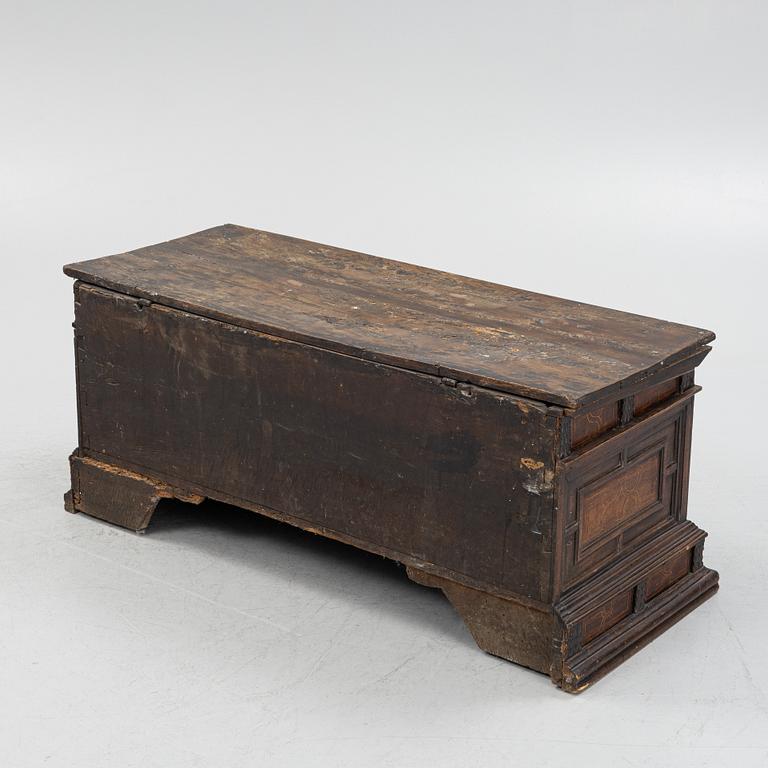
(610, 152)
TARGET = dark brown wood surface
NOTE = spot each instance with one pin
(406, 464)
(550, 349)
(559, 535)
(624, 488)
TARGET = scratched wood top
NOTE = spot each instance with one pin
(554, 350)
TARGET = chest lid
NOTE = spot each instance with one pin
(550, 349)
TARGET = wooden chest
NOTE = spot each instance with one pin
(525, 454)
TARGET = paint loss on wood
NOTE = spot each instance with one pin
(410, 413)
(400, 459)
(550, 349)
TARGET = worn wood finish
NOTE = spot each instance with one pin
(550, 349)
(624, 488)
(658, 393)
(526, 455)
(593, 422)
(595, 628)
(500, 626)
(321, 436)
(117, 494)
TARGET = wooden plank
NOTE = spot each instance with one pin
(546, 348)
(459, 477)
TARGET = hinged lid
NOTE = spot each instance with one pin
(553, 350)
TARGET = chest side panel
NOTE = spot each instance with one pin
(455, 475)
(626, 489)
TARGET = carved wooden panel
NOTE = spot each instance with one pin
(647, 398)
(587, 426)
(619, 493)
(615, 608)
(667, 574)
(606, 505)
(606, 616)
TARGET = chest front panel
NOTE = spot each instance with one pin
(444, 473)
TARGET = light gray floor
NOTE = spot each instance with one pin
(221, 638)
(614, 153)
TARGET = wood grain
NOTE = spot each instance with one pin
(667, 574)
(411, 413)
(606, 616)
(593, 422)
(390, 457)
(612, 503)
(651, 396)
(554, 350)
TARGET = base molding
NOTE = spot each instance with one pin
(586, 667)
(599, 623)
(611, 615)
(576, 639)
